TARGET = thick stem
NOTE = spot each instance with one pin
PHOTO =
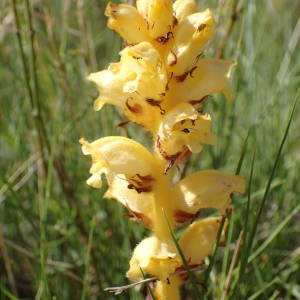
(163, 208)
(168, 289)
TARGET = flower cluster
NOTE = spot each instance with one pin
(161, 83)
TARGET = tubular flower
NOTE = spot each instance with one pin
(161, 83)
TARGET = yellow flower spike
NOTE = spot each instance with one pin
(183, 8)
(159, 17)
(160, 83)
(183, 128)
(127, 21)
(155, 257)
(209, 76)
(190, 36)
(205, 189)
(198, 239)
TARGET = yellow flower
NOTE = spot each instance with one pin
(126, 20)
(190, 36)
(183, 129)
(205, 189)
(160, 258)
(154, 257)
(207, 77)
(135, 84)
(131, 172)
(139, 85)
(151, 20)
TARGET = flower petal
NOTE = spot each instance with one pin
(144, 61)
(198, 239)
(183, 8)
(118, 155)
(131, 173)
(206, 189)
(126, 20)
(109, 84)
(139, 204)
(159, 16)
(153, 257)
(209, 76)
(189, 39)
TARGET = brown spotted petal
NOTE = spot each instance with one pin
(131, 172)
(190, 36)
(138, 201)
(144, 61)
(115, 155)
(209, 76)
(158, 15)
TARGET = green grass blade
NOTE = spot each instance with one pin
(7, 293)
(225, 262)
(263, 201)
(262, 290)
(243, 154)
(274, 234)
(244, 253)
(195, 289)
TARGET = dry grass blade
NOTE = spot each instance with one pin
(232, 265)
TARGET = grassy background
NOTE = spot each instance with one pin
(58, 238)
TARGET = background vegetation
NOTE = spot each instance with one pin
(58, 238)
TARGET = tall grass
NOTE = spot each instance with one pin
(58, 238)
